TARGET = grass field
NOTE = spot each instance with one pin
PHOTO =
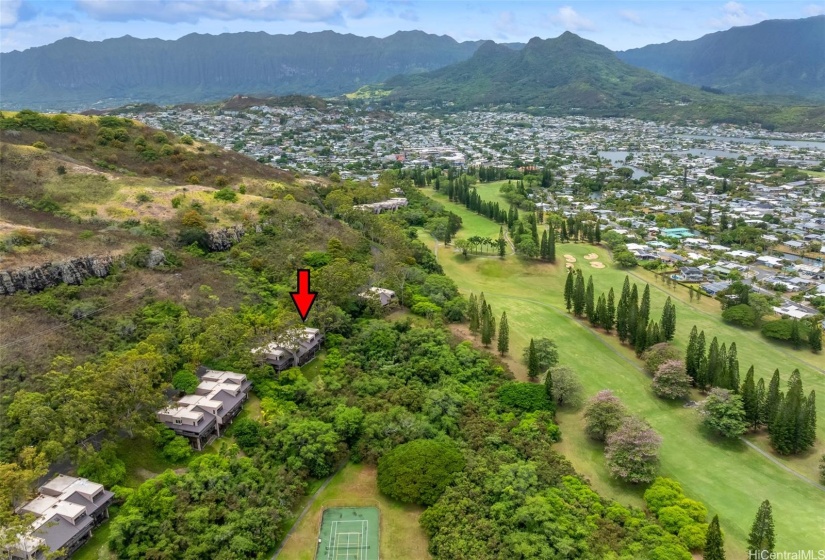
(729, 477)
(355, 485)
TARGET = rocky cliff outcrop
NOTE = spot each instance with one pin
(223, 239)
(38, 278)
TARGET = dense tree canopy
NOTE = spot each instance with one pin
(417, 472)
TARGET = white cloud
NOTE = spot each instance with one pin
(571, 20)
(408, 14)
(505, 24)
(9, 10)
(735, 14)
(814, 9)
(631, 16)
(191, 11)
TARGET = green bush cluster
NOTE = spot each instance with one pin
(678, 514)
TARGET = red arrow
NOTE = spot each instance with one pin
(303, 298)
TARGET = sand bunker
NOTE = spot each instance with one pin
(596, 264)
(570, 266)
(570, 258)
(591, 256)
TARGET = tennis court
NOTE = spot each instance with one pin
(348, 533)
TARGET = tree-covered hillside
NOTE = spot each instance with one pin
(71, 73)
(774, 57)
(571, 75)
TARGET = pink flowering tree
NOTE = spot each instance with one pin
(603, 415)
(632, 451)
(671, 380)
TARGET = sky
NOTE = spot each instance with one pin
(617, 24)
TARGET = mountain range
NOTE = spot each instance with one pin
(774, 57)
(71, 73)
(785, 57)
(571, 75)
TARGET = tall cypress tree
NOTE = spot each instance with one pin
(610, 312)
(750, 402)
(590, 301)
(732, 373)
(796, 337)
(761, 397)
(492, 322)
(815, 337)
(543, 251)
(601, 312)
(486, 326)
(713, 365)
(644, 306)
(771, 400)
(691, 359)
(503, 335)
(702, 360)
(622, 326)
(633, 314)
(668, 322)
(474, 315)
(714, 547)
(761, 537)
(788, 427)
(532, 361)
(568, 290)
(551, 243)
(809, 422)
(640, 340)
(579, 294)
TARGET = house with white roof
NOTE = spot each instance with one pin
(218, 398)
(293, 349)
(66, 511)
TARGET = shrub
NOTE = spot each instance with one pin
(160, 138)
(186, 139)
(426, 309)
(193, 219)
(103, 467)
(741, 315)
(149, 154)
(316, 259)
(227, 195)
(193, 179)
(529, 397)
(143, 197)
(783, 328)
(139, 256)
(61, 169)
(221, 181)
(662, 493)
(693, 535)
(671, 381)
(247, 432)
(82, 310)
(178, 450)
(658, 354)
(177, 201)
(419, 471)
(40, 145)
(185, 381)
(167, 150)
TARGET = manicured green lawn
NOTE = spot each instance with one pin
(491, 192)
(729, 477)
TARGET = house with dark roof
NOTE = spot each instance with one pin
(206, 413)
(293, 349)
(66, 511)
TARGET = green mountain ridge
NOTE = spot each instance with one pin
(73, 74)
(571, 75)
(773, 57)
